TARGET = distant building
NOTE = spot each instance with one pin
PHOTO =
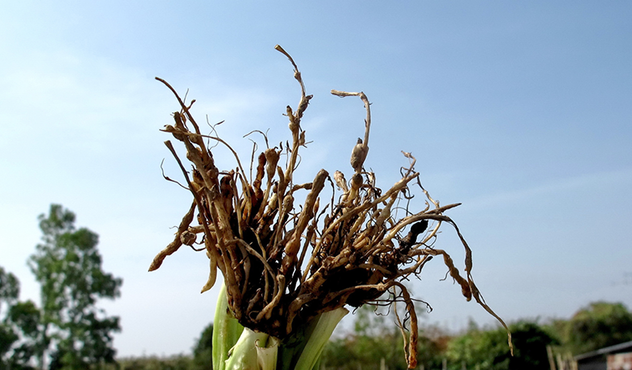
(617, 357)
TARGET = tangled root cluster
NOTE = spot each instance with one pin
(284, 264)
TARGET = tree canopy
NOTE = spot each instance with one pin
(203, 350)
(67, 264)
(9, 291)
(488, 349)
(598, 325)
(19, 325)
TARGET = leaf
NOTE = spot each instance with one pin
(226, 331)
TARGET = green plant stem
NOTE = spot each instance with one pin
(226, 331)
(239, 348)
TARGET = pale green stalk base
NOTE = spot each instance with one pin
(322, 328)
(238, 348)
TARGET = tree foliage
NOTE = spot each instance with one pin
(203, 350)
(598, 325)
(9, 291)
(488, 349)
(9, 288)
(67, 264)
(19, 326)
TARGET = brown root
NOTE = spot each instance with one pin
(283, 263)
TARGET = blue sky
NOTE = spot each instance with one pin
(522, 111)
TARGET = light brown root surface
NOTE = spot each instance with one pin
(284, 263)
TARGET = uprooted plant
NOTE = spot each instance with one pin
(290, 269)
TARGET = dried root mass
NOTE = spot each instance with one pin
(283, 263)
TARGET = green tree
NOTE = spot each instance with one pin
(9, 291)
(25, 318)
(9, 288)
(600, 324)
(67, 264)
(19, 326)
(203, 351)
(488, 349)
